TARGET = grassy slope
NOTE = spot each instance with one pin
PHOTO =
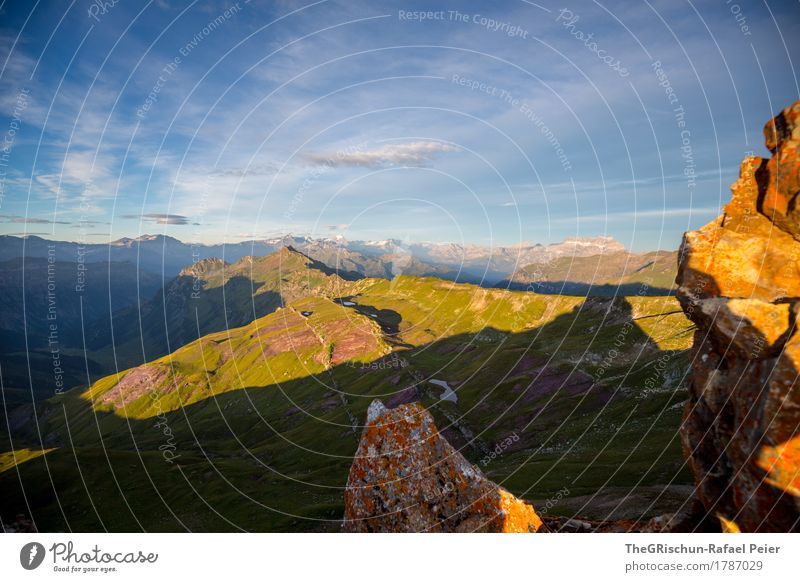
(262, 425)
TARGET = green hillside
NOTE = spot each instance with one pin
(254, 427)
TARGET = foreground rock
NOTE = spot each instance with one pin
(407, 478)
(739, 281)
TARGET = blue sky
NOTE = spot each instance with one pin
(484, 122)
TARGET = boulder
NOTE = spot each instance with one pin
(406, 477)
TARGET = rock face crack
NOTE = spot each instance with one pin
(739, 281)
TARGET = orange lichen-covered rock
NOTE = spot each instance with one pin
(739, 281)
(407, 478)
(782, 173)
(741, 253)
(782, 464)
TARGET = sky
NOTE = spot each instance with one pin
(490, 123)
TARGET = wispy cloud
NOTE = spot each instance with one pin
(642, 214)
(251, 170)
(158, 218)
(90, 223)
(407, 154)
(30, 220)
(711, 175)
(337, 227)
(20, 233)
(83, 173)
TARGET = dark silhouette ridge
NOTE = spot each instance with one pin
(579, 289)
(320, 266)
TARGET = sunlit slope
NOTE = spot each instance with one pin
(12, 459)
(426, 309)
(302, 340)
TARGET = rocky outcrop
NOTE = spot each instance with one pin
(407, 478)
(739, 281)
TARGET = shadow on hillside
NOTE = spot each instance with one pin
(388, 319)
(47, 307)
(288, 447)
(36, 294)
(320, 266)
(179, 314)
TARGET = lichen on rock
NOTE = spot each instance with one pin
(406, 477)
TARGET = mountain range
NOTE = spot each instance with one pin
(165, 255)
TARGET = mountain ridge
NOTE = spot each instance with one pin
(486, 265)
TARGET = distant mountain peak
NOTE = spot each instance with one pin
(145, 238)
(156, 237)
(603, 240)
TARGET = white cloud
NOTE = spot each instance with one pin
(160, 218)
(83, 173)
(408, 154)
